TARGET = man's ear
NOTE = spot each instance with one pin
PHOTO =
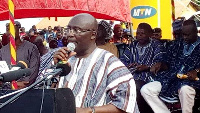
(94, 34)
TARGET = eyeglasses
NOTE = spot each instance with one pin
(76, 30)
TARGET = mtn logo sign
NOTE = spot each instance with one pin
(141, 12)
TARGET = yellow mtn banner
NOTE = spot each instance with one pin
(157, 13)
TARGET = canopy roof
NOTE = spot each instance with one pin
(102, 9)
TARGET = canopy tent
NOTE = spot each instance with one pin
(102, 9)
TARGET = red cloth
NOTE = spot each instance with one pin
(121, 40)
(22, 34)
(102, 9)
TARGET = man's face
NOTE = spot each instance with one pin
(49, 28)
(80, 34)
(118, 32)
(23, 29)
(53, 44)
(142, 36)
(50, 38)
(189, 34)
(34, 27)
(101, 32)
(65, 41)
(7, 27)
(59, 36)
(59, 28)
(38, 42)
(157, 36)
(31, 33)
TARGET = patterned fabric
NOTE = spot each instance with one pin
(101, 79)
(107, 26)
(60, 43)
(177, 24)
(45, 62)
(148, 55)
(177, 59)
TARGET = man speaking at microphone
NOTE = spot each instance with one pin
(26, 52)
(99, 80)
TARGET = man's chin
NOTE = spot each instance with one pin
(187, 42)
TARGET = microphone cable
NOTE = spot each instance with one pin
(42, 100)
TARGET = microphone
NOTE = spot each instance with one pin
(52, 73)
(15, 75)
(71, 46)
(65, 69)
(63, 64)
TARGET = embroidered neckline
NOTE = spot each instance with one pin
(188, 48)
(141, 49)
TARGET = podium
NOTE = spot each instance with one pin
(52, 101)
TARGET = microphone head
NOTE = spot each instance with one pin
(71, 46)
(15, 75)
(22, 64)
(65, 69)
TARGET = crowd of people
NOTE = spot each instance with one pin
(114, 73)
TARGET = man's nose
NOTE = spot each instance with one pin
(70, 34)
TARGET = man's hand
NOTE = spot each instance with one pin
(192, 75)
(62, 54)
(141, 68)
(83, 110)
(155, 68)
(132, 65)
(22, 84)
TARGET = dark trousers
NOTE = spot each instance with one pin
(142, 104)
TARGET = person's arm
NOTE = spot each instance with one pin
(121, 87)
(109, 108)
(159, 59)
(142, 68)
(159, 66)
(34, 64)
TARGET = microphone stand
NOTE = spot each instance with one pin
(48, 76)
(12, 93)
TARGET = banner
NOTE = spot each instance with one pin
(154, 12)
